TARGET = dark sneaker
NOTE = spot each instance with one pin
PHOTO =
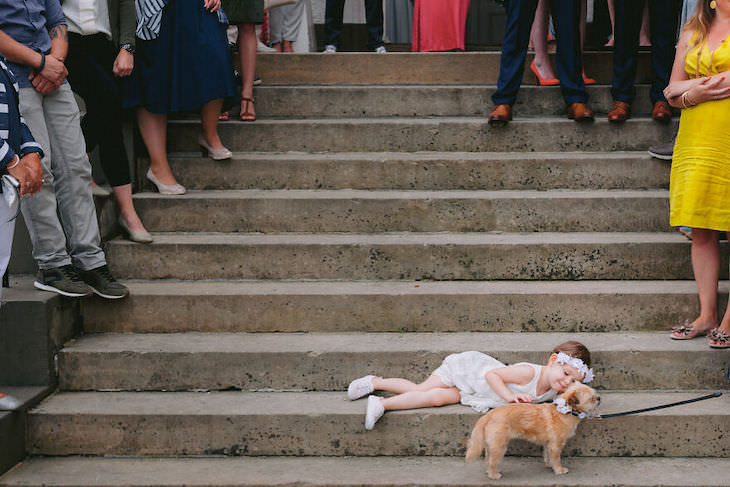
(662, 151)
(101, 281)
(62, 280)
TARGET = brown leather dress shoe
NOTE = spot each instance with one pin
(501, 114)
(620, 112)
(580, 112)
(661, 112)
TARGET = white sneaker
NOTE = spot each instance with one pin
(381, 50)
(330, 49)
(8, 403)
(374, 412)
(360, 387)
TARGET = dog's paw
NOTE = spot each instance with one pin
(560, 470)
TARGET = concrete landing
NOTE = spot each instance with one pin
(364, 472)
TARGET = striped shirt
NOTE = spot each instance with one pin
(15, 137)
(149, 18)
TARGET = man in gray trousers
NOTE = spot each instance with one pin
(34, 41)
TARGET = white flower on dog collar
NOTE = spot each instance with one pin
(564, 358)
(564, 408)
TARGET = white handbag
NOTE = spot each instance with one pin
(269, 4)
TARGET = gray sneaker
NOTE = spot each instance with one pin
(662, 151)
(101, 281)
(62, 280)
(8, 403)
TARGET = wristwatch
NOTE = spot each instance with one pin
(128, 47)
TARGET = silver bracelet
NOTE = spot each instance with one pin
(12, 166)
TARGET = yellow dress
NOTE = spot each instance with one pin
(699, 189)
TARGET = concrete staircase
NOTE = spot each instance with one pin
(374, 223)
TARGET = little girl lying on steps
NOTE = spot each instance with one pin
(479, 381)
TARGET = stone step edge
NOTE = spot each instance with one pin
(493, 343)
(424, 155)
(164, 287)
(423, 120)
(267, 403)
(398, 194)
(411, 238)
(362, 471)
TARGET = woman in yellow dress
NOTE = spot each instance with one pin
(700, 179)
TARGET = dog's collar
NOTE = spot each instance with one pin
(564, 408)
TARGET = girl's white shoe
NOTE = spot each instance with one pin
(8, 403)
(374, 412)
(360, 387)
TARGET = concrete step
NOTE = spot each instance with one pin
(421, 171)
(367, 211)
(407, 256)
(327, 424)
(329, 361)
(367, 306)
(366, 472)
(415, 68)
(443, 134)
(323, 101)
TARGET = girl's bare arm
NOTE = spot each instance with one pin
(512, 374)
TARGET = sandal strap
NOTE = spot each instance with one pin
(721, 336)
(685, 328)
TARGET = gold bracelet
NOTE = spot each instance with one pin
(686, 98)
(12, 166)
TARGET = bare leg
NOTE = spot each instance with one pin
(645, 34)
(209, 120)
(399, 386)
(612, 15)
(706, 266)
(247, 51)
(725, 325)
(153, 127)
(123, 194)
(429, 393)
(583, 13)
(539, 40)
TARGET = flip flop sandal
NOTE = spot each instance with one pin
(719, 339)
(685, 331)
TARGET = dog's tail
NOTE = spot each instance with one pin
(475, 447)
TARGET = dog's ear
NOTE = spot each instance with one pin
(571, 397)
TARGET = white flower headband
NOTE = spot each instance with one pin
(564, 358)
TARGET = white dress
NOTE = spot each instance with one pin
(467, 372)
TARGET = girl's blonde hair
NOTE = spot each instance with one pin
(700, 21)
(576, 350)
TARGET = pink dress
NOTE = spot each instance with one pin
(438, 25)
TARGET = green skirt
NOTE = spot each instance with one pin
(244, 11)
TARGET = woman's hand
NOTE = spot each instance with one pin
(212, 5)
(123, 64)
(29, 174)
(707, 90)
(676, 88)
(522, 398)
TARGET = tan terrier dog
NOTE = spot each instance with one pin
(549, 425)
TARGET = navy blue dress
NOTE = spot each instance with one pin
(187, 66)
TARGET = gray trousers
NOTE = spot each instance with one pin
(55, 123)
(284, 22)
(7, 228)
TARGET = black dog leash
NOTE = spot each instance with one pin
(636, 411)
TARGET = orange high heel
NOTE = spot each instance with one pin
(588, 81)
(539, 80)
